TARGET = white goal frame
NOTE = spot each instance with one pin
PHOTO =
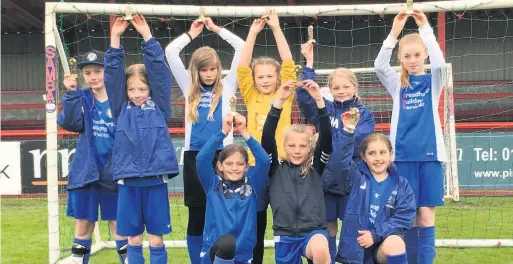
(52, 39)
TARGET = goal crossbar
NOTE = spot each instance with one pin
(255, 11)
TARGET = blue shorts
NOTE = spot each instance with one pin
(370, 255)
(288, 249)
(426, 180)
(335, 206)
(140, 207)
(83, 203)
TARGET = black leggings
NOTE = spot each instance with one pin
(196, 221)
(258, 251)
(224, 248)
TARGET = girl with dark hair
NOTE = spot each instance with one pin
(381, 205)
(230, 220)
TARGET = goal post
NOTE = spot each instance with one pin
(54, 48)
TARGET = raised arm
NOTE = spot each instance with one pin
(159, 76)
(283, 47)
(114, 71)
(230, 80)
(244, 75)
(436, 56)
(262, 162)
(206, 173)
(341, 170)
(173, 50)
(365, 126)
(323, 148)
(271, 123)
(71, 117)
(388, 76)
(402, 219)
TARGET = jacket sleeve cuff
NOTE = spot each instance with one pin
(322, 111)
(275, 112)
(150, 42)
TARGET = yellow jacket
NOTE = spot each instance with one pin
(259, 105)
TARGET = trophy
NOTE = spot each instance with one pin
(299, 73)
(233, 107)
(128, 13)
(201, 15)
(73, 68)
(409, 7)
(310, 34)
(355, 117)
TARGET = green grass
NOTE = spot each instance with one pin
(24, 237)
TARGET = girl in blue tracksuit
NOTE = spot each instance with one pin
(207, 101)
(415, 130)
(231, 197)
(343, 86)
(143, 155)
(90, 183)
(381, 205)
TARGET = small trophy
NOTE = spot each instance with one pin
(409, 7)
(310, 34)
(128, 13)
(299, 74)
(73, 68)
(355, 116)
(233, 107)
(201, 15)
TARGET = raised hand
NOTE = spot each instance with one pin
(286, 90)
(273, 21)
(241, 125)
(227, 124)
(196, 28)
(69, 82)
(119, 27)
(420, 17)
(140, 24)
(116, 31)
(313, 89)
(210, 25)
(307, 51)
(350, 119)
(257, 26)
(399, 22)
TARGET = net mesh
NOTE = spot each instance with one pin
(478, 44)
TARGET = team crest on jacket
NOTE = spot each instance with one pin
(148, 105)
(109, 113)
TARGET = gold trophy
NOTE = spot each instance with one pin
(233, 107)
(128, 13)
(409, 7)
(310, 34)
(355, 117)
(299, 73)
(73, 68)
(201, 15)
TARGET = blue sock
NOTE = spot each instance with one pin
(135, 254)
(397, 259)
(158, 255)
(86, 243)
(194, 245)
(218, 260)
(411, 239)
(427, 251)
(332, 243)
(121, 246)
